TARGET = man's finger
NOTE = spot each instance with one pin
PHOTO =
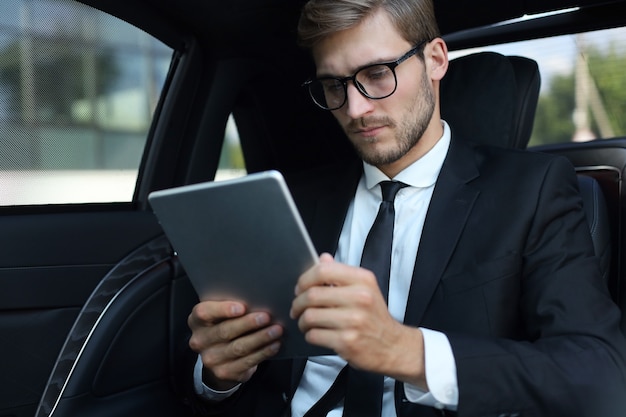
(212, 312)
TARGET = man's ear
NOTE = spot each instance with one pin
(436, 56)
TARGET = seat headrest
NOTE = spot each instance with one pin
(490, 98)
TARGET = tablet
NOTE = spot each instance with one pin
(241, 239)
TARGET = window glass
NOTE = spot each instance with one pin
(232, 164)
(583, 85)
(78, 89)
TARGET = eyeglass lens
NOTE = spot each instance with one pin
(375, 82)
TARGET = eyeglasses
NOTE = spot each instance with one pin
(376, 81)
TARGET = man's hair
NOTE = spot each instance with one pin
(414, 19)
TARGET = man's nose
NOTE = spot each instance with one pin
(357, 104)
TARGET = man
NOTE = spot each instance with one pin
(494, 315)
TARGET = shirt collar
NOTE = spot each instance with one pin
(421, 173)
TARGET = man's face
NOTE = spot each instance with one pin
(384, 132)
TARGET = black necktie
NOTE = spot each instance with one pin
(377, 250)
(364, 390)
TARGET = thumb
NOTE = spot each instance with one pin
(326, 258)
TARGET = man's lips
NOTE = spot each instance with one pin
(369, 131)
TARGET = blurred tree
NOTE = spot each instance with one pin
(554, 121)
(607, 70)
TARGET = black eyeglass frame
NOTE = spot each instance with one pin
(344, 81)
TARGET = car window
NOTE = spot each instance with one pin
(583, 85)
(232, 163)
(78, 89)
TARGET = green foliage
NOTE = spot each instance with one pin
(607, 70)
(232, 156)
(554, 119)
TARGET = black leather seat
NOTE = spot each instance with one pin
(596, 211)
(490, 98)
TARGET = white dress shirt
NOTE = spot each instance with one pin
(411, 205)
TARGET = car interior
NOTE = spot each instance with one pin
(93, 300)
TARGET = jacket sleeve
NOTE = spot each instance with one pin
(265, 394)
(573, 362)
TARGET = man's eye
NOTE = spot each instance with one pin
(380, 72)
(332, 85)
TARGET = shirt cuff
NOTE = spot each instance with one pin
(205, 392)
(440, 369)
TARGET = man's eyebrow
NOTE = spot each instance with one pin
(373, 62)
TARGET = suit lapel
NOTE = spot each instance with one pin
(447, 215)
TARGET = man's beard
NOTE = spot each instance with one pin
(409, 130)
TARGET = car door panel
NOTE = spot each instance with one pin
(49, 265)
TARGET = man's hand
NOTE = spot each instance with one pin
(231, 341)
(341, 307)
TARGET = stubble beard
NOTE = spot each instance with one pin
(409, 130)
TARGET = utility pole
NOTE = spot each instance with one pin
(588, 99)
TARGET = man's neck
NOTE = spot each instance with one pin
(429, 139)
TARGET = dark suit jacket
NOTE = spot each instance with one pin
(505, 268)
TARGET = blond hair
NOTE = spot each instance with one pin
(414, 19)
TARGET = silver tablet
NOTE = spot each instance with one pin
(241, 239)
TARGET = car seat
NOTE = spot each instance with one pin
(489, 98)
